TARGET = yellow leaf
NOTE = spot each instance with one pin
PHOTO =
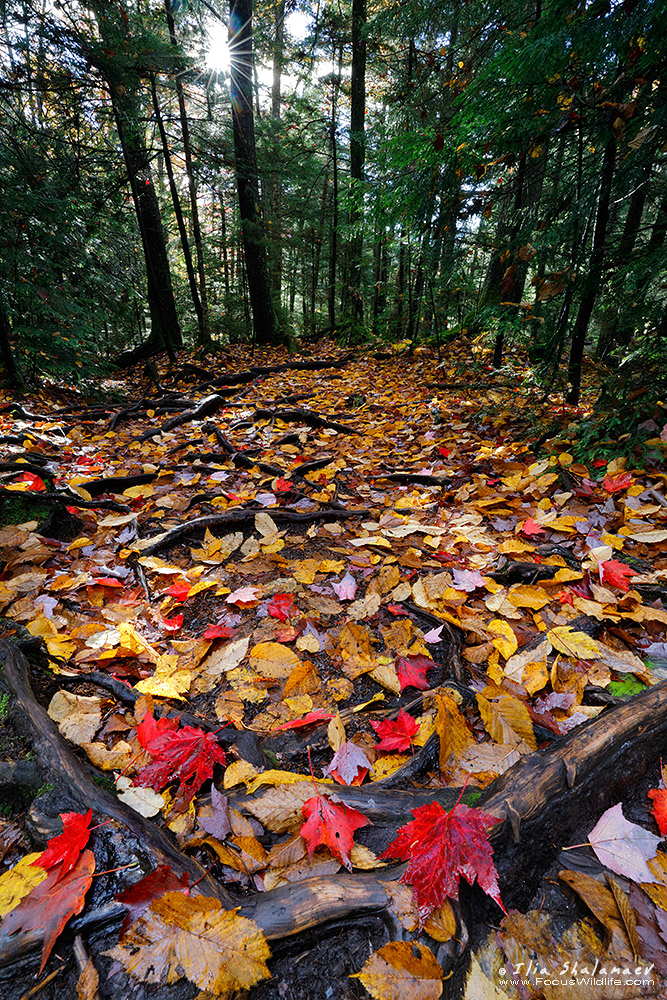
(164, 685)
(505, 640)
(239, 771)
(387, 765)
(455, 737)
(402, 970)
(506, 720)
(19, 881)
(216, 949)
(272, 659)
(276, 778)
(523, 596)
(575, 644)
(336, 732)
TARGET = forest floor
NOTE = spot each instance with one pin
(362, 568)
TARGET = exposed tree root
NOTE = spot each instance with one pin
(241, 517)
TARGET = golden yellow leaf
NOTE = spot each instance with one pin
(504, 638)
(441, 922)
(239, 771)
(529, 668)
(336, 732)
(166, 685)
(178, 935)
(385, 766)
(273, 660)
(19, 881)
(277, 778)
(402, 970)
(454, 735)
(571, 643)
(522, 596)
(506, 720)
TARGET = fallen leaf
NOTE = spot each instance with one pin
(216, 821)
(396, 734)
(64, 849)
(440, 847)
(49, 906)
(138, 897)
(616, 573)
(349, 765)
(412, 670)
(19, 881)
(282, 606)
(218, 950)
(346, 588)
(576, 644)
(622, 846)
(402, 970)
(332, 824)
(186, 755)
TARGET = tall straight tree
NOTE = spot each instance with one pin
(241, 76)
(351, 299)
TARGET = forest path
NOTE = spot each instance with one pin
(298, 550)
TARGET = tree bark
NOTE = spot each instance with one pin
(202, 315)
(275, 186)
(594, 274)
(178, 211)
(254, 247)
(352, 302)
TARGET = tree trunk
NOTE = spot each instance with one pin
(178, 211)
(6, 353)
(275, 186)
(161, 302)
(240, 45)
(594, 274)
(202, 315)
(352, 302)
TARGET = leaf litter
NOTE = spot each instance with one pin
(322, 599)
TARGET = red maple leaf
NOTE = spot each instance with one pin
(614, 484)
(138, 897)
(411, 671)
(51, 903)
(445, 452)
(218, 632)
(33, 481)
(440, 848)
(179, 590)
(149, 729)
(66, 846)
(396, 609)
(332, 824)
(396, 734)
(599, 462)
(282, 606)
(616, 573)
(173, 624)
(317, 716)
(565, 597)
(349, 765)
(186, 755)
(531, 527)
(106, 581)
(659, 807)
(283, 485)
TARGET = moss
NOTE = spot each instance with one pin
(21, 508)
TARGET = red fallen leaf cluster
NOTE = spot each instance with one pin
(186, 755)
